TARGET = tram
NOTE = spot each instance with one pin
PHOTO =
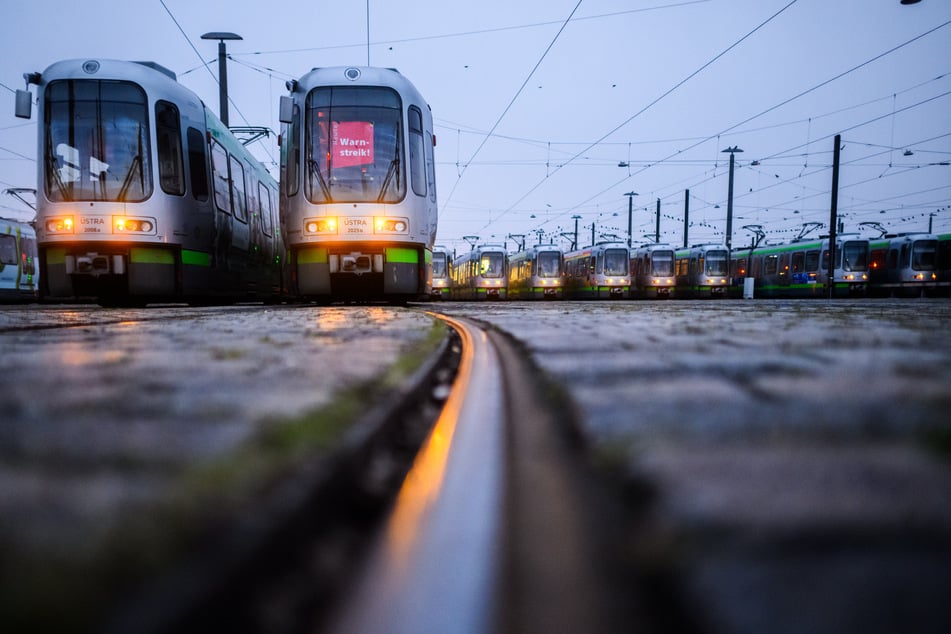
(537, 273)
(143, 194)
(358, 185)
(652, 271)
(442, 267)
(19, 277)
(480, 274)
(601, 271)
(703, 271)
(905, 265)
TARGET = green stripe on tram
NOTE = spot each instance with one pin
(151, 256)
(312, 256)
(405, 256)
(196, 258)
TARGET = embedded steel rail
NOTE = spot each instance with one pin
(435, 567)
(497, 527)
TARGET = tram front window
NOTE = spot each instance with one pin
(924, 255)
(616, 262)
(662, 263)
(855, 256)
(439, 265)
(717, 263)
(548, 264)
(354, 147)
(491, 265)
(96, 141)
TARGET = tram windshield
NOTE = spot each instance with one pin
(716, 263)
(439, 265)
(616, 262)
(354, 148)
(492, 265)
(855, 256)
(662, 263)
(96, 141)
(924, 255)
(549, 264)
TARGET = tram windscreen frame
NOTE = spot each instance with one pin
(354, 147)
(96, 141)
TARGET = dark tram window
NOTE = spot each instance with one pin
(239, 190)
(290, 153)
(264, 196)
(168, 135)
(8, 249)
(417, 154)
(222, 180)
(197, 164)
(430, 167)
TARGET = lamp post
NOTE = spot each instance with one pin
(221, 36)
(630, 215)
(729, 200)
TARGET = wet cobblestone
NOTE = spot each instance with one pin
(798, 451)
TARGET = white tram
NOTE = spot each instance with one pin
(480, 274)
(442, 267)
(358, 194)
(143, 194)
(904, 265)
(537, 273)
(703, 270)
(601, 271)
(19, 276)
(652, 271)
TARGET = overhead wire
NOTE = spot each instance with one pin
(752, 118)
(512, 101)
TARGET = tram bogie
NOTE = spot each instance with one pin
(537, 273)
(601, 271)
(144, 195)
(358, 187)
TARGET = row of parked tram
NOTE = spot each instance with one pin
(901, 265)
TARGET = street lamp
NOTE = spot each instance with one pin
(222, 69)
(630, 215)
(729, 200)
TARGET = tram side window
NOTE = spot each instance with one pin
(264, 195)
(798, 262)
(222, 181)
(239, 190)
(771, 265)
(168, 133)
(291, 149)
(8, 249)
(891, 261)
(430, 166)
(196, 164)
(812, 260)
(417, 153)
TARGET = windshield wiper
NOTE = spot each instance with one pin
(394, 166)
(136, 162)
(315, 171)
(53, 171)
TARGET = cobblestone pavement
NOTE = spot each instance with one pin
(101, 419)
(800, 451)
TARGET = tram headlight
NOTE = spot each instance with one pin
(320, 225)
(127, 225)
(61, 224)
(390, 225)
